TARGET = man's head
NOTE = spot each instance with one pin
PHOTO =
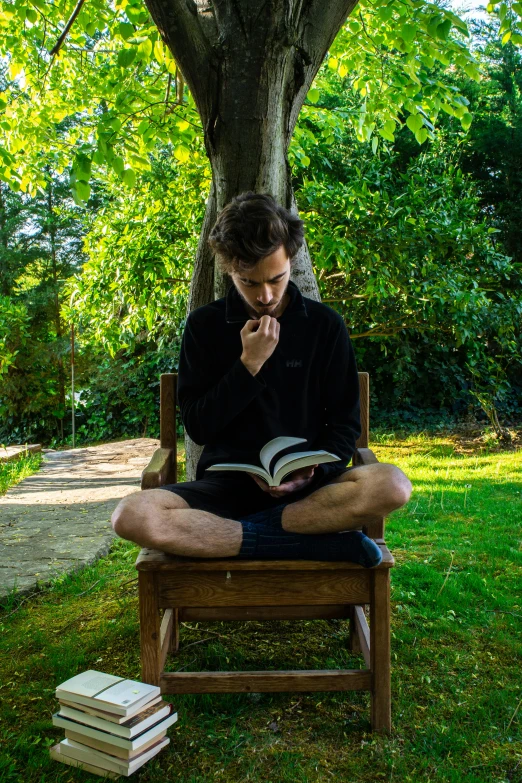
(255, 241)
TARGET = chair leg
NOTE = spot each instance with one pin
(353, 644)
(380, 650)
(149, 628)
(174, 639)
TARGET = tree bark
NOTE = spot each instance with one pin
(249, 65)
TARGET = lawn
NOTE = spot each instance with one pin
(16, 470)
(456, 652)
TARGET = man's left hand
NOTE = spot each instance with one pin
(293, 482)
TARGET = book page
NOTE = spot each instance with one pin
(273, 446)
(302, 459)
(237, 466)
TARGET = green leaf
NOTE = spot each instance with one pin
(182, 153)
(136, 14)
(126, 57)
(82, 167)
(313, 95)
(15, 69)
(375, 144)
(472, 71)
(83, 190)
(433, 24)
(144, 126)
(386, 134)
(408, 32)
(118, 164)
(159, 52)
(129, 178)
(333, 62)
(443, 30)
(517, 7)
(414, 122)
(140, 162)
(385, 13)
(466, 120)
(516, 38)
(355, 26)
(506, 37)
(421, 135)
(91, 28)
(31, 15)
(145, 48)
(125, 30)
(305, 160)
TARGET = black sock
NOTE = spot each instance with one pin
(265, 539)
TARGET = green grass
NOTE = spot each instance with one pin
(456, 651)
(13, 472)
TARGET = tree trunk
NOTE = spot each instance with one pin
(249, 65)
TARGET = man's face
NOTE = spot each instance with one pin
(263, 287)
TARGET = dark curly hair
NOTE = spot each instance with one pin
(251, 227)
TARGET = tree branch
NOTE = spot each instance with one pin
(319, 26)
(388, 331)
(67, 27)
(180, 27)
(312, 36)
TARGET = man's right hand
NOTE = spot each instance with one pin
(259, 338)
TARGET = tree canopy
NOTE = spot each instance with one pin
(111, 89)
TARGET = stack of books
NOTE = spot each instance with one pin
(113, 726)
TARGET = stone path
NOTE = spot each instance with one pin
(59, 519)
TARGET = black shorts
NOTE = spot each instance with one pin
(235, 495)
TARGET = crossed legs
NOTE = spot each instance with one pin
(160, 519)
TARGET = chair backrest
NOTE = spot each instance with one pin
(168, 395)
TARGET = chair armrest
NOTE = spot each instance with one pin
(364, 457)
(158, 470)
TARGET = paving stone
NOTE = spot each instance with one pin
(58, 520)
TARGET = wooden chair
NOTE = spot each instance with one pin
(173, 589)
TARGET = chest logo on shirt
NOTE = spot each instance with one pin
(294, 362)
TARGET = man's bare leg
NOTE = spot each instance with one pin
(350, 501)
(160, 519)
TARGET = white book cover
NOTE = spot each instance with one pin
(285, 465)
(81, 753)
(115, 694)
(108, 747)
(104, 736)
(88, 683)
(56, 754)
(110, 716)
(133, 727)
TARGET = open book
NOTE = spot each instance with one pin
(284, 465)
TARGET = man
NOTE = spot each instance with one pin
(261, 362)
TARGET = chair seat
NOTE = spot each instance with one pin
(154, 560)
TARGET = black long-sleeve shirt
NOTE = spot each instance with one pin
(308, 388)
